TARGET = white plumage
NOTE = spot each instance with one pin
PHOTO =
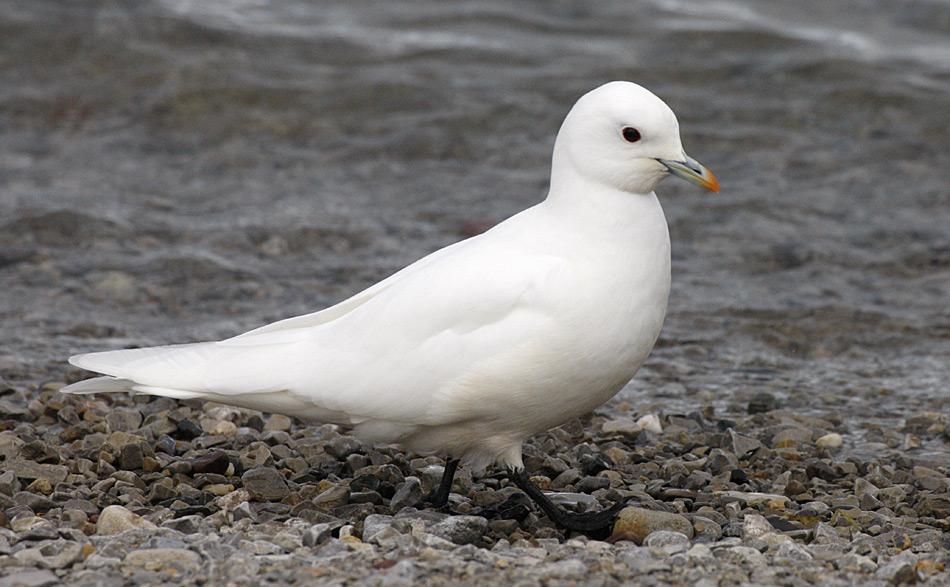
(484, 343)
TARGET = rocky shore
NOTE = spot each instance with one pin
(111, 490)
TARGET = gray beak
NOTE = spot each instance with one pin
(692, 171)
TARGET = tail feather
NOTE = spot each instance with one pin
(207, 370)
(130, 363)
(153, 371)
(104, 384)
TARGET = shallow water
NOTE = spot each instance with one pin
(174, 170)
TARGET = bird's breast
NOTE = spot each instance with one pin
(606, 326)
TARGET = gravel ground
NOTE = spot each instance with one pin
(113, 490)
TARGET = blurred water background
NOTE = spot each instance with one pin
(179, 170)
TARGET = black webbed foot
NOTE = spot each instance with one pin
(599, 523)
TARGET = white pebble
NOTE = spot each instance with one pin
(650, 422)
(832, 440)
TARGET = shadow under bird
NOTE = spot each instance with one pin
(480, 345)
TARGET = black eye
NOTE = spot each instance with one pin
(630, 134)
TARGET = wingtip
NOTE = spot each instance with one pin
(76, 360)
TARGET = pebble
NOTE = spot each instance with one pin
(131, 457)
(762, 402)
(636, 523)
(408, 494)
(755, 526)
(831, 441)
(29, 470)
(115, 519)
(124, 420)
(753, 498)
(741, 444)
(743, 555)
(33, 578)
(666, 542)
(461, 529)
(56, 554)
(650, 423)
(623, 426)
(714, 503)
(163, 560)
(705, 529)
(318, 534)
(185, 524)
(791, 438)
(343, 446)
(278, 422)
(265, 484)
(792, 552)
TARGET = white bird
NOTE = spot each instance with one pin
(480, 345)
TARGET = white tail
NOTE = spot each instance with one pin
(154, 371)
(105, 384)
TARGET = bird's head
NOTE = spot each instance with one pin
(622, 135)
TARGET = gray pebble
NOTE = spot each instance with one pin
(30, 579)
(592, 484)
(408, 494)
(184, 524)
(343, 446)
(131, 457)
(669, 543)
(265, 483)
(461, 529)
(741, 444)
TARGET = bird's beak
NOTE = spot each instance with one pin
(692, 171)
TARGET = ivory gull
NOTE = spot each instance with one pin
(478, 346)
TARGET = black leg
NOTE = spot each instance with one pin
(586, 522)
(440, 497)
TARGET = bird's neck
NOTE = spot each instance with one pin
(600, 206)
